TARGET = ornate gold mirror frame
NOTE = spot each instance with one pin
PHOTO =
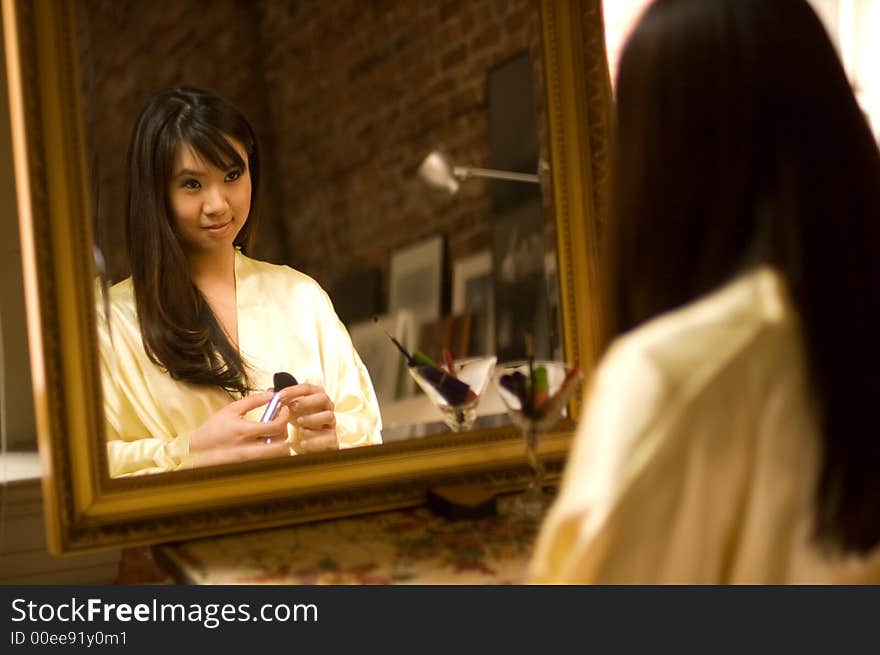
(85, 509)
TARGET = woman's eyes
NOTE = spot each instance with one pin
(192, 184)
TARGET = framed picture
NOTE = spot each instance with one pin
(416, 280)
(521, 306)
(383, 360)
(357, 295)
(416, 286)
(472, 292)
(517, 219)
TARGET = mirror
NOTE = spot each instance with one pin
(67, 147)
(343, 121)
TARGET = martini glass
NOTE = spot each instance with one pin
(456, 396)
(535, 394)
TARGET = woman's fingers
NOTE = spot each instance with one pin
(318, 421)
(307, 406)
(263, 450)
(276, 428)
(313, 441)
(298, 390)
(246, 404)
(243, 452)
(311, 404)
(306, 394)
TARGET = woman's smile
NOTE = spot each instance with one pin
(218, 229)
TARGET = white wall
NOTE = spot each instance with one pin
(620, 17)
(854, 27)
(859, 29)
(23, 555)
(18, 417)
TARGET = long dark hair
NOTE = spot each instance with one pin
(179, 330)
(740, 142)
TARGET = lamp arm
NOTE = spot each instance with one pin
(464, 172)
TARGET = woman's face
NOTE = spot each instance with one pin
(209, 206)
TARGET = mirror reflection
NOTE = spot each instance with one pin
(339, 242)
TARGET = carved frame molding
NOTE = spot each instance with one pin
(85, 509)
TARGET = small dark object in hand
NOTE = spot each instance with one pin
(281, 380)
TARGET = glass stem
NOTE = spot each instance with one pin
(535, 484)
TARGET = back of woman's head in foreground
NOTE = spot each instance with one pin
(741, 143)
(179, 330)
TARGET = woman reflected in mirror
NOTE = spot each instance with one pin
(199, 329)
(729, 435)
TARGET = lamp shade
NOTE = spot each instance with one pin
(436, 170)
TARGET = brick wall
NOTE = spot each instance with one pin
(355, 118)
(132, 49)
(348, 96)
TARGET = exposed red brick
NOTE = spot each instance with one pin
(344, 124)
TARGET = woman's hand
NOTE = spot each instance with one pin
(227, 436)
(311, 413)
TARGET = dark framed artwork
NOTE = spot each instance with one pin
(357, 295)
(520, 289)
(518, 242)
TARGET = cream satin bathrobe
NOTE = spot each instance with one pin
(286, 322)
(697, 458)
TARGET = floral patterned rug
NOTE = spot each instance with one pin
(409, 546)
